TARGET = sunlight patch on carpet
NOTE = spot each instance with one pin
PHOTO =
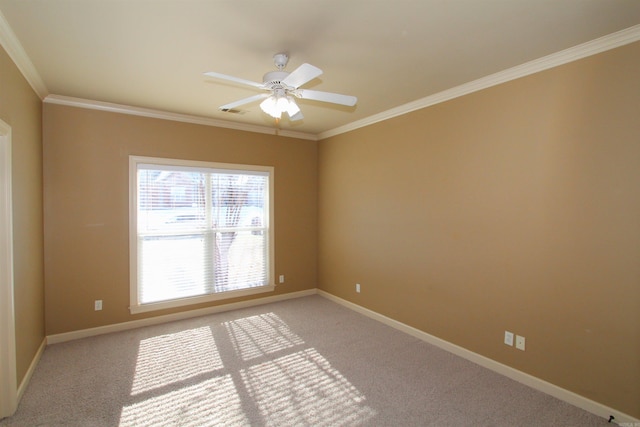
(213, 402)
(260, 335)
(303, 389)
(176, 357)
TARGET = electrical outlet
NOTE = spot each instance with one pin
(508, 338)
(520, 342)
(98, 305)
(281, 278)
(358, 287)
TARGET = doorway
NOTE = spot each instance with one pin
(8, 382)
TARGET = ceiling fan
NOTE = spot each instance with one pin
(282, 88)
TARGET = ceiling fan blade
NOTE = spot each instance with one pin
(232, 105)
(297, 116)
(334, 98)
(301, 75)
(215, 75)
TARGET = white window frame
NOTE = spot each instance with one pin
(135, 305)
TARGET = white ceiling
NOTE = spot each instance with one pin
(151, 54)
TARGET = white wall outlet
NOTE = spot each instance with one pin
(508, 338)
(520, 342)
(97, 305)
(281, 278)
(358, 287)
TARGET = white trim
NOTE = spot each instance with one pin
(608, 42)
(16, 52)
(118, 327)
(522, 377)
(163, 115)
(183, 302)
(8, 383)
(32, 367)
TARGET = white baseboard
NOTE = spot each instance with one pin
(32, 367)
(84, 333)
(522, 377)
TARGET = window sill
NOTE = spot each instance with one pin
(162, 305)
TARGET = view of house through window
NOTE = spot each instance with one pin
(201, 230)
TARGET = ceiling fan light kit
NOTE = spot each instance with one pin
(279, 103)
(282, 88)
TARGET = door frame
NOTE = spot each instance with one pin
(8, 381)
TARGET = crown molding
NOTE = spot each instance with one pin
(608, 42)
(16, 52)
(163, 115)
(9, 41)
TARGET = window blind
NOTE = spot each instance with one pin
(200, 231)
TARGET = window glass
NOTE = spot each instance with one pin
(199, 231)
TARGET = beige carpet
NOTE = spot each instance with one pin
(302, 362)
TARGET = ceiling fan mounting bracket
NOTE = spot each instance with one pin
(281, 60)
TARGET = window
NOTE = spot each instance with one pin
(198, 232)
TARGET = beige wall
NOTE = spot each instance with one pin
(87, 207)
(511, 208)
(21, 109)
(514, 208)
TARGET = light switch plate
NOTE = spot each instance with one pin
(508, 338)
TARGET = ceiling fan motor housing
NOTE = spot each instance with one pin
(273, 79)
